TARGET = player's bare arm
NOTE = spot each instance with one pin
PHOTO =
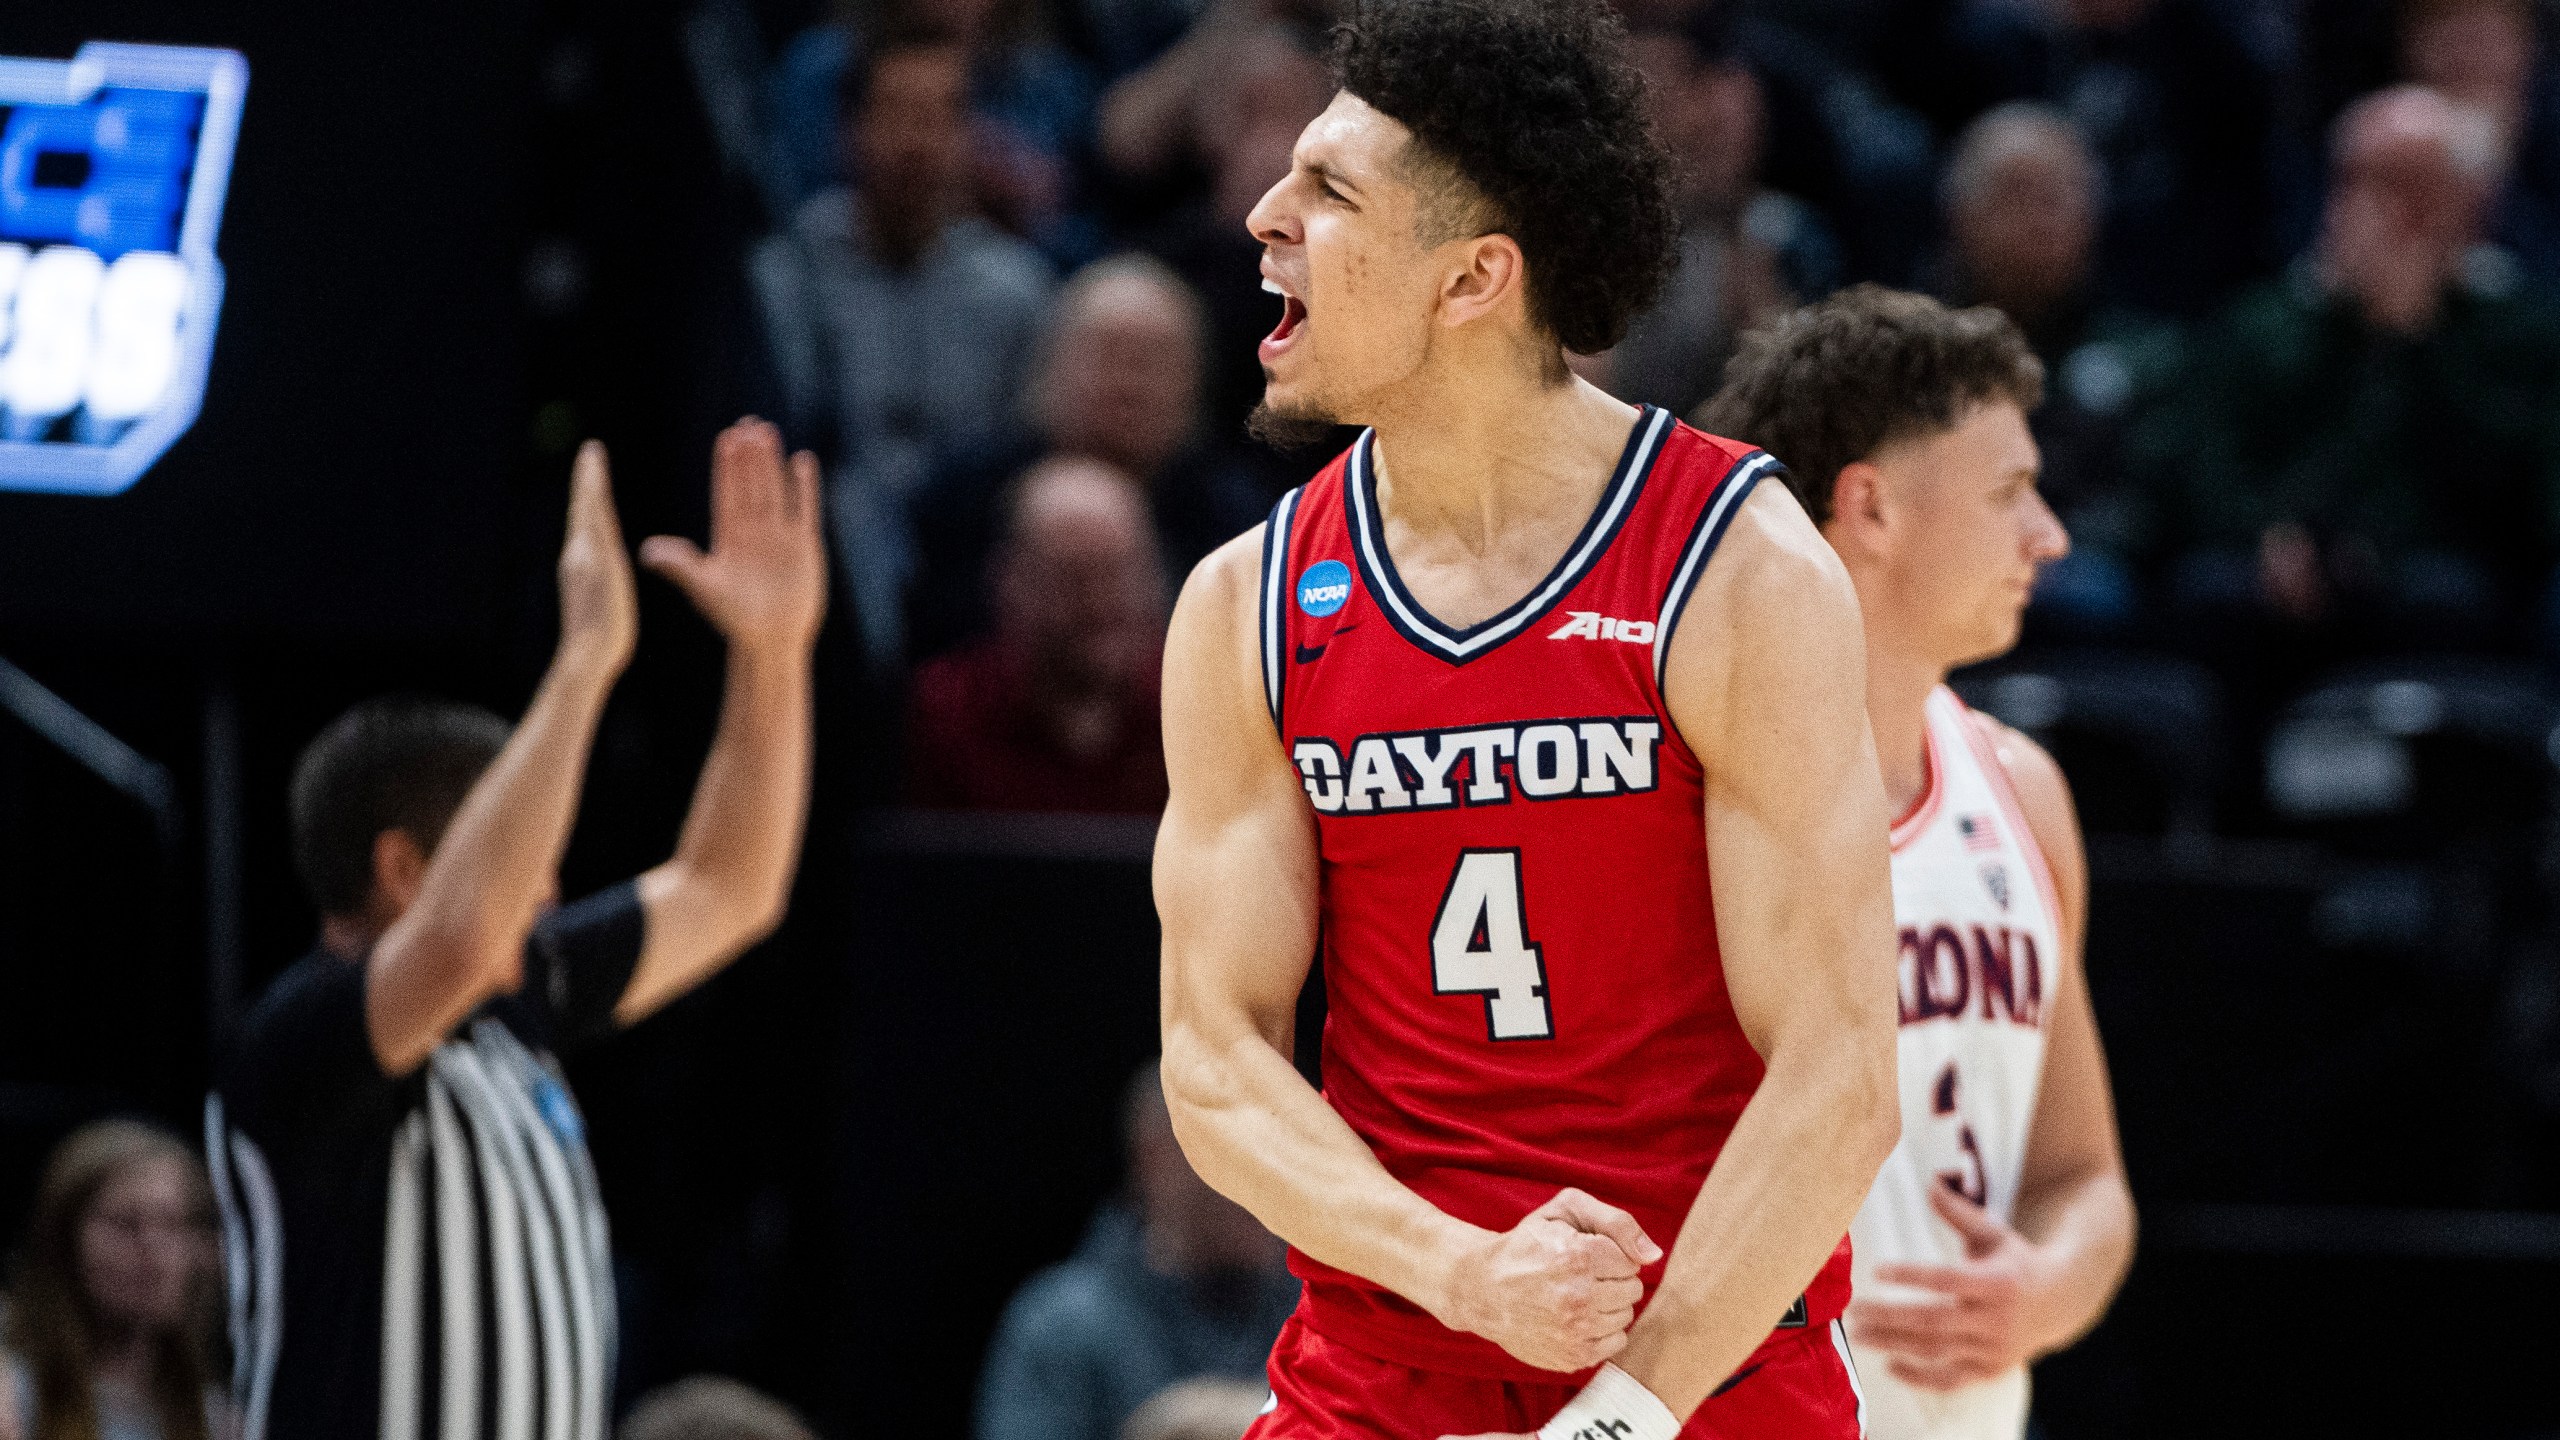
(1767, 683)
(462, 940)
(2026, 1291)
(763, 586)
(1236, 886)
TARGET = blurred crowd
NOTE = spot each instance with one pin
(1155, 1329)
(2293, 268)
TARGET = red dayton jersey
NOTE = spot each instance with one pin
(1519, 947)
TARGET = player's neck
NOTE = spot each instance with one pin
(1469, 455)
(1899, 682)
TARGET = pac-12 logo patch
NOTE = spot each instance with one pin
(1325, 588)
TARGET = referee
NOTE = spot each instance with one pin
(416, 1249)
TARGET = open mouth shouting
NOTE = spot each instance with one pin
(1293, 319)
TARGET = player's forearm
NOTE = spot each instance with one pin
(1781, 1195)
(2083, 1227)
(1261, 1136)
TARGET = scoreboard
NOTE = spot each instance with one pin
(113, 169)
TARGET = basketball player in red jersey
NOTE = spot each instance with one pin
(1543, 722)
(2002, 1224)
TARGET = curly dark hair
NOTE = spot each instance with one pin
(1535, 107)
(1832, 383)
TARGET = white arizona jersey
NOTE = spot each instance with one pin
(1979, 970)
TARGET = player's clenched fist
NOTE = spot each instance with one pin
(1559, 1289)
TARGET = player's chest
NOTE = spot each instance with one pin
(1409, 761)
(1976, 942)
(1567, 711)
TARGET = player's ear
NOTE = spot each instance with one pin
(1485, 273)
(1857, 507)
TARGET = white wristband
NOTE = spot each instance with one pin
(1614, 1406)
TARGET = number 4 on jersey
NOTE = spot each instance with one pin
(1480, 945)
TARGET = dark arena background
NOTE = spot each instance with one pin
(459, 238)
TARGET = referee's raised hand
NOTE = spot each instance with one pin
(764, 581)
(763, 585)
(599, 615)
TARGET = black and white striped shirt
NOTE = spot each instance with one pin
(421, 1257)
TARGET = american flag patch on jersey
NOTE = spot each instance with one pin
(1978, 832)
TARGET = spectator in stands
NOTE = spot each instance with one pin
(1033, 101)
(2488, 54)
(1056, 710)
(2368, 447)
(709, 1407)
(1163, 121)
(1834, 138)
(900, 324)
(1119, 380)
(2177, 97)
(1125, 36)
(1199, 1410)
(1179, 1284)
(1030, 103)
(1747, 254)
(408, 1062)
(2023, 195)
(1233, 105)
(110, 1317)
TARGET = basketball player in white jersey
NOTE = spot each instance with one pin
(2001, 1226)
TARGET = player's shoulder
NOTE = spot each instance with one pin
(1773, 558)
(1772, 620)
(1692, 446)
(1235, 569)
(1693, 464)
(1696, 467)
(1226, 578)
(2031, 769)
(1218, 678)
(2043, 791)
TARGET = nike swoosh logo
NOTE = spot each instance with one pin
(1309, 654)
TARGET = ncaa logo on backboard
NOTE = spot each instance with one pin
(1325, 588)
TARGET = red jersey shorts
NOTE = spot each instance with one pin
(1802, 1387)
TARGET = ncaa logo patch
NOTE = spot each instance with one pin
(1325, 588)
